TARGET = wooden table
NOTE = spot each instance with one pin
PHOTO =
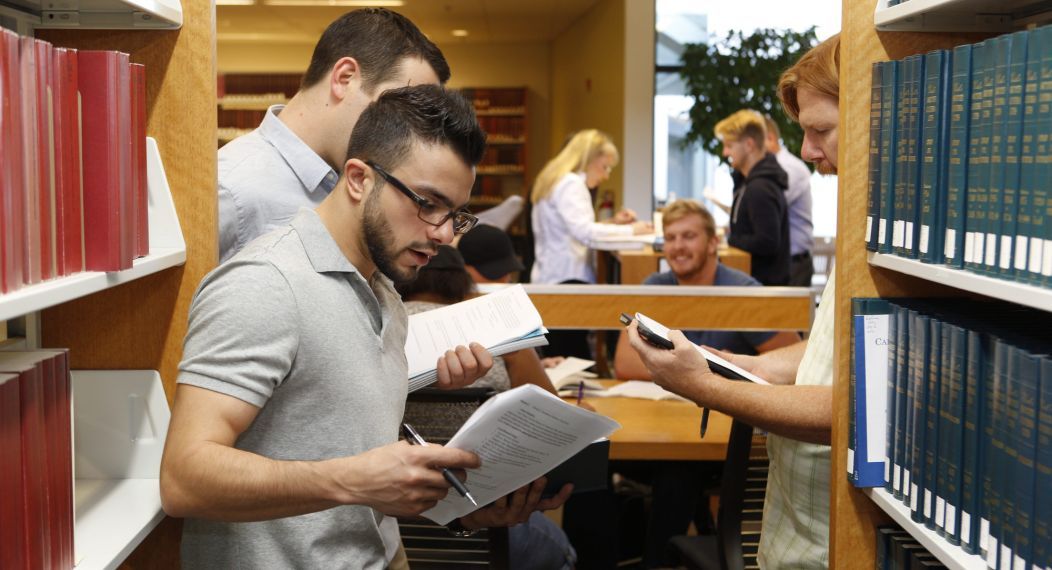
(637, 265)
(662, 429)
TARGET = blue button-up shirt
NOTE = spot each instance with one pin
(265, 177)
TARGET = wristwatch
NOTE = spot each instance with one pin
(460, 531)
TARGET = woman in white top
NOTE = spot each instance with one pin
(564, 225)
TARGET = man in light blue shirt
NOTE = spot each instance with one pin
(798, 197)
(290, 161)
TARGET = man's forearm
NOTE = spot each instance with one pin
(803, 413)
(782, 364)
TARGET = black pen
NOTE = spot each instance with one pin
(704, 421)
(414, 439)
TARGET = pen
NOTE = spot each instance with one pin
(414, 439)
(704, 421)
(580, 392)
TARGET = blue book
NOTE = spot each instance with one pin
(951, 430)
(1027, 265)
(931, 404)
(893, 430)
(911, 217)
(874, 198)
(1043, 469)
(933, 164)
(997, 77)
(903, 407)
(1013, 135)
(957, 151)
(1026, 382)
(870, 331)
(919, 349)
(903, 122)
(978, 157)
(1043, 149)
(995, 457)
(889, 149)
(973, 448)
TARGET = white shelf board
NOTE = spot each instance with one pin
(167, 249)
(1011, 291)
(952, 556)
(113, 517)
(958, 15)
(101, 14)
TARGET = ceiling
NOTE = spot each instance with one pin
(487, 21)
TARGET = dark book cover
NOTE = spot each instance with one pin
(957, 155)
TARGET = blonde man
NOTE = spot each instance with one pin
(759, 214)
(797, 409)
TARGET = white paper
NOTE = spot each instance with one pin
(639, 389)
(519, 435)
(875, 331)
(491, 320)
(612, 243)
(662, 331)
(571, 372)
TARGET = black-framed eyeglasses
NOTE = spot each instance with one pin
(428, 211)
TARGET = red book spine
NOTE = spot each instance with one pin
(69, 223)
(12, 185)
(30, 160)
(45, 138)
(142, 200)
(99, 85)
(34, 468)
(127, 164)
(65, 384)
(12, 525)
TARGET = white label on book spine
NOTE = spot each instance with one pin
(1020, 252)
(887, 470)
(951, 519)
(869, 227)
(969, 247)
(984, 533)
(977, 255)
(927, 503)
(1035, 255)
(950, 247)
(898, 233)
(966, 527)
(991, 250)
(909, 235)
(991, 552)
(1046, 264)
(913, 497)
(851, 460)
(924, 238)
(882, 231)
(1006, 252)
(1006, 557)
(1020, 564)
(897, 481)
(940, 512)
(905, 480)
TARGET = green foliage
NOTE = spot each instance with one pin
(741, 72)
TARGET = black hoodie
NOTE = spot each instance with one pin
(760, 220)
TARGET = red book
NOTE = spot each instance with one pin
(69, 224)
(12, 183)
(106, 160)
(142, 199)
(45, 139)
(12, 525)
(65, 385)
(34, 467)
(30, 160)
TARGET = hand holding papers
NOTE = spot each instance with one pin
(503, 321)
(519, 435)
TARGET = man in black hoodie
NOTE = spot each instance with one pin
(759, 214)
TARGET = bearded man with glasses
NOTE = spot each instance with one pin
(282, 450)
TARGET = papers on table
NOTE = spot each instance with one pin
(640, 389)
(520, 435)
(572, 372)
(503, 321)
(616, 243)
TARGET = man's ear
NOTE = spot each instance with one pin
(714, 244)
(346, 78)
(359, 179)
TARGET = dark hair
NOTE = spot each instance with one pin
(451, 285)
(379, 40)
(431, 114)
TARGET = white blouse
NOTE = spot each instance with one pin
(564, 227)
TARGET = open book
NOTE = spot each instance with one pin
(503, 322)
(718, 364)
(571, 373)
(520, 435)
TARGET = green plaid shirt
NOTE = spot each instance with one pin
(796, 509)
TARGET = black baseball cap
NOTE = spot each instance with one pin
(488, 249)
(447, 258)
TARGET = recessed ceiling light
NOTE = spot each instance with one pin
(460, 33)
(355, 3)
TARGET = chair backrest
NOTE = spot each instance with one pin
(823, 254)
(742, 491)
(437, 415)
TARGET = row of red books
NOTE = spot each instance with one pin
(36, 460)
(73, 194)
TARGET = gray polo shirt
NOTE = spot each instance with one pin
(290, 326)
(265, 177)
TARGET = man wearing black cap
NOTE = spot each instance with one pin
(488, 255)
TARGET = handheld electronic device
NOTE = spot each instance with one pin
(647, 334)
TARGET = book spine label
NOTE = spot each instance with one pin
(957, 161)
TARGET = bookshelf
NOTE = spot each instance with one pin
(502, 112)
(243, 100)
(986, 16)
(856, 513)
(102, 14)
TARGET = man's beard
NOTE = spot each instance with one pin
(379, 241)
(824, 167)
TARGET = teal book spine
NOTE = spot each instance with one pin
(869, 381)
(1025, 230)
(889, 148)
(1043, 469)
(919, 350)
(973, 450)
(1006, 518)
(996, 171)
(957, 151)
(934, 168)
(951, 429)
(978, 158)
(995, 455)
(891, 461)
(1024, 480)
(1013, 135)
(932, 375)
(901, 154)
(911, 219)
(1043, 151)
(874, 199)
(910, 352)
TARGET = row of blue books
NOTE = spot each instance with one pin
(960, 157)
(897, 550)
(952, 414)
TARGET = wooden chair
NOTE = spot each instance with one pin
(742, 489)
(437, 415)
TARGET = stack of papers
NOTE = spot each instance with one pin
(639, 389)
(621, 243)
(571, 373)
(503, 322)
